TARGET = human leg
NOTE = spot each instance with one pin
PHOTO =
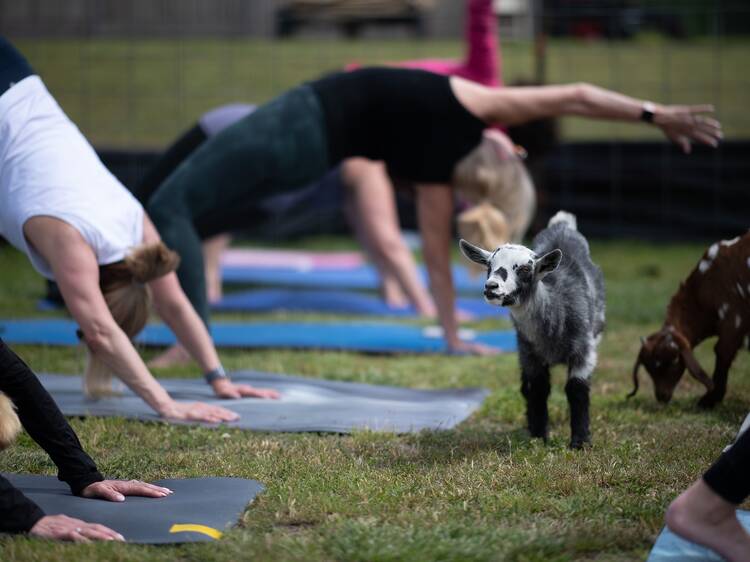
(705, 512)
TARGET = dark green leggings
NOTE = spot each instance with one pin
(280, 147)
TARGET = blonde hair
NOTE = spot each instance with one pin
(10, 425)
(123, 285)
(503, 193)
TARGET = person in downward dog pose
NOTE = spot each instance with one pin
(360, 186)
(555, 294)
(362, 189)
(79, 226)
(366, 198)
(39, 415)
(429, 130)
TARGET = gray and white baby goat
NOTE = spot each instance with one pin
(556, 298)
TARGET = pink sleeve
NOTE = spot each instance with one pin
(483, 59)
(482, 62)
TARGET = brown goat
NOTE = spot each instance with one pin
(713, 301)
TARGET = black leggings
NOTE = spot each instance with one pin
(168, 162)
(729, 476)
(280, 148)
(44, 422)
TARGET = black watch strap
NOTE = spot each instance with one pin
(647, 112)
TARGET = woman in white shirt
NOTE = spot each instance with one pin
(79, 226)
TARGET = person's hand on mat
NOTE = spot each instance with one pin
(198, 411)
(225, 388)
(473, 348)
(683, 124)
(64, 528)
(116, 490)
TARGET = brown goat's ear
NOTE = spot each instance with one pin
(638, 362)
(691, 362)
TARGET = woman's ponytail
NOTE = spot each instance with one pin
(123, 285)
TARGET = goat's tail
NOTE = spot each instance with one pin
(568, 219)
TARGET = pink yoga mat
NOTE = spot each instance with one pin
(305, 261)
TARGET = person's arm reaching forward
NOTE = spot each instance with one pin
(682, 124)
(77, 273)
(175, 309)
(45, 423)
(435, 215)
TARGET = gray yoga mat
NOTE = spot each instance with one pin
(305, 405)
(200, 509)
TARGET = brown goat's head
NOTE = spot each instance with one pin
(665, 354)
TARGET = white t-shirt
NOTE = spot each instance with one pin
(48, 168)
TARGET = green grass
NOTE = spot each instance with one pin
(142, 93)
(483, 491)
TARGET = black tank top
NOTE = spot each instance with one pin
(409, 118)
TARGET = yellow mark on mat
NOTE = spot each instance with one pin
(191, 528)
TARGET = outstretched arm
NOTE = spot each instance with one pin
(175, 309)
(435, 215)
(682, 124)
(77, 272)
(375, 220)
(45, 423)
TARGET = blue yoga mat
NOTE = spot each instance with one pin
(368, 337)
(362, 277)
(339, 302)
(673, 548)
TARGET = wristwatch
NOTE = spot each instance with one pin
(647, 112)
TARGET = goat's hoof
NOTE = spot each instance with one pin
(579, 443)
(537, 434)
(707, 402)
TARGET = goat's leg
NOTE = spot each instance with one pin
(726, 350)
(577, 389)
(535, 388)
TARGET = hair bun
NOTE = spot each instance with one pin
(484, 225)
(151, 261)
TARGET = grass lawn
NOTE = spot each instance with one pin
(483, 491)
(143, 92)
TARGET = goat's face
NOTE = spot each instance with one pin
(661, 357)
(666, 354)
(512, 271)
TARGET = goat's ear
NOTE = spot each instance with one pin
(548, 263)
(474, 253)
(694, 368)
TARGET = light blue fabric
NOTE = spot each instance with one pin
(339, 302)
(362, 277)
(355, 336)
(673, 548)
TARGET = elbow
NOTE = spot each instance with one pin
(99, 338)
(581, 96)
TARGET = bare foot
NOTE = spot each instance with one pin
(703, 517)
(174, 356)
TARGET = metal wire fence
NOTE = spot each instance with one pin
(134, 74)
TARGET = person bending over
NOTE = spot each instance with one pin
(80, 227)
(429, 130)
(25, 402)
(362, 187)
(365, 198)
